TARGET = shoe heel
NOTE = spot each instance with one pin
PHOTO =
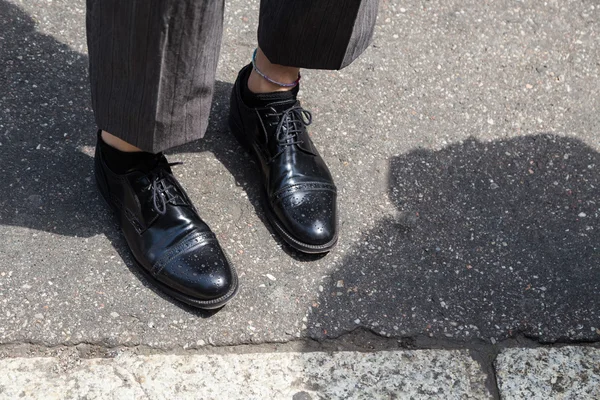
(239, 134)
(101, 183)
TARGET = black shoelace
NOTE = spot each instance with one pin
(161, 185)
(291, 122)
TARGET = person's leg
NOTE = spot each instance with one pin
(152, 68)
(119, 144)
(300, 196)
(316, 34)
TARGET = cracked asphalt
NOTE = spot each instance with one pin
(464, 144)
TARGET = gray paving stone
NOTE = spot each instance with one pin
(549, 373)
(299, 376)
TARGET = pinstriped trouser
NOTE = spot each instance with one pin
(153, 62)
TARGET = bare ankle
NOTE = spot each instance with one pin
(119, 144)
(279, 73)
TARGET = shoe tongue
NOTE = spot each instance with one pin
(281, 106)
(151, 163)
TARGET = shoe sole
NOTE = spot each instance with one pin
(202, 304)
(238, 133)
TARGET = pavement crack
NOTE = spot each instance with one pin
(361, 339)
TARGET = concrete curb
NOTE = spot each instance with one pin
(549, 373)
(431, 374)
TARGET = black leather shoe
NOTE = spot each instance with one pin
(171, 245)
(299, 193)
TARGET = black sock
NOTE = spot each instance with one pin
(121, 162)
(252, 99)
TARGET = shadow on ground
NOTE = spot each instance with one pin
(47, 132)
(491, 240)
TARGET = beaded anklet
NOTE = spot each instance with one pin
(293, 84)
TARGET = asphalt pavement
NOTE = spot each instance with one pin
(464, 144)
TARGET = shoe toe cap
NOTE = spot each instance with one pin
(310, 217)
(202, 273)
